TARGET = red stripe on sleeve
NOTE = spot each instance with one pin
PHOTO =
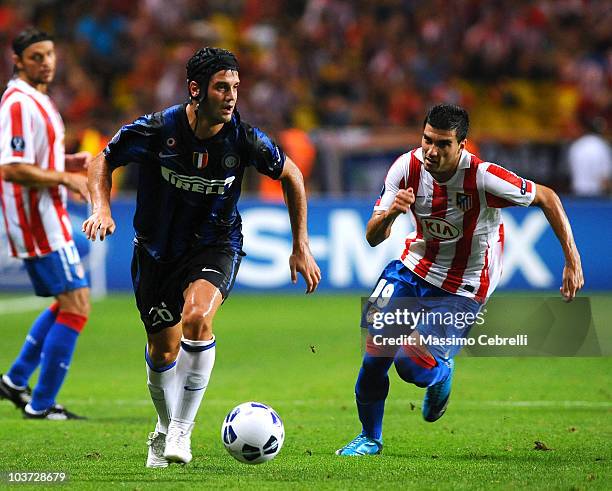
(506, 175)
(463, 249)
(16, 126)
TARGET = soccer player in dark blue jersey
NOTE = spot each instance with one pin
(188, 242)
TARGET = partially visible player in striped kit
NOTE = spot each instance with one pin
(450, 264)
(33, 192)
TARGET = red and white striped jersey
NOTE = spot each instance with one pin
(32, 132)
(459, 236)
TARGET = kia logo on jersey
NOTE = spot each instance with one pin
(438, 228)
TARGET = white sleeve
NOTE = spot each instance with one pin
(504, 188)
(16, 136)
(396, 179)
(606, 161)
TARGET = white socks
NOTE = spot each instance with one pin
(194, 365)
(177, 390)
(161, 384)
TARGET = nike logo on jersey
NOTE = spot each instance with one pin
(167, 155)
(197, 184)
(212, 270)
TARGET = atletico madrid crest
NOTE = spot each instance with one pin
(464, 201)
(200, 160)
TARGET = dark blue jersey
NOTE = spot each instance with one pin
(188, 188)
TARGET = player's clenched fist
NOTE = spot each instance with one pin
(403, 199)
(99, 221)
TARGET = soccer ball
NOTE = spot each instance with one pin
(253, 433)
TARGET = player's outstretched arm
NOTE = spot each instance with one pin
(378, 228)
(76, 162)
(301, 259)
(99, 181)
(550, 204)
(35, 177)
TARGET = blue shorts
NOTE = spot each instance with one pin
(440, 317)
(58, 272)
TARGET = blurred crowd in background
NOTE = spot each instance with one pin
(536, 70)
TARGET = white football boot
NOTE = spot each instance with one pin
(157, 444)
(178, 442)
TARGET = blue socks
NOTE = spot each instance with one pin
(372, 385)
(56, 355)
(371, 390)
(29, 357)
(371, 417)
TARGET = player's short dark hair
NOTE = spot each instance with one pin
(208, 61)
(449, 117)
(27, 37)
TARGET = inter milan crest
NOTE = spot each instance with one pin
(464, 201)
(200, 160)
(230, 161)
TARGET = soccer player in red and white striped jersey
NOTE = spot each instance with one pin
(452, 261)
(33, 188)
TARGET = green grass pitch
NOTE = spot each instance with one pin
(301, 355)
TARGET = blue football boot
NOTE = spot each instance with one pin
(361, 445)
(437, 396)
